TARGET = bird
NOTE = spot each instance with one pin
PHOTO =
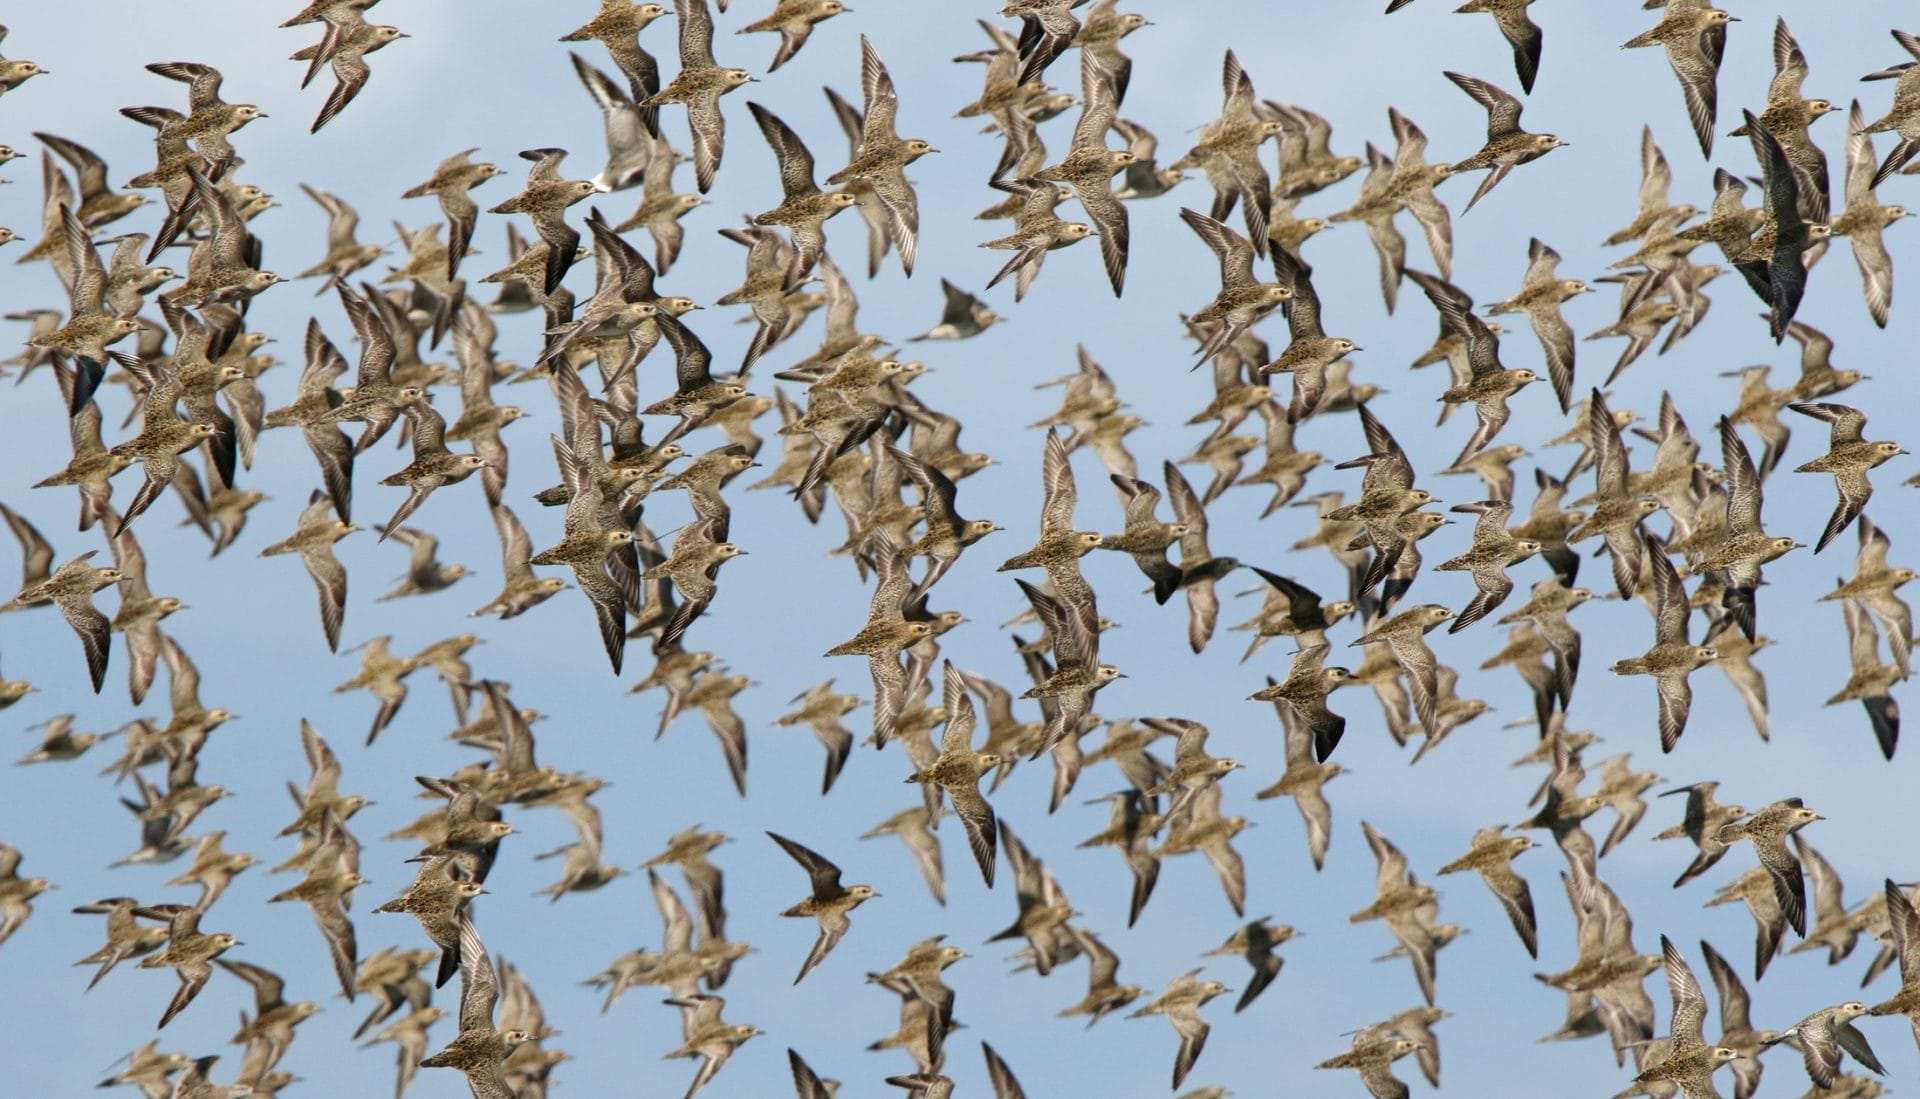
(1304, 781)
(433, 465)
(425, 573)
(1508, 146)
(1520, 31)
(1181, 1003)
(1865, 218)
(1873, 586)
(1487, 385)
(805, 208)
(588, 544)
(1487, 559)
(830, 902)
(914, 826)
(1768, 830)
(89, 329)
(1617, 512)
(189, 953)
(328, 890)
(807, 1083)
(1402, 634)
(880, 158)
(1825, 1035)
(1903, 925)
(1689, 1063)
(794, 21)
(1194, 770)
(437, 899)
(1037, 231)
(1200, 569)
(1227, 151)
(945, 534)
(71, 588)
(1303, 696)
(1871, 680)
(821, 710)
(1405, 905)
(699, 85)
(313, 539)
(1044, 909)
(1541, 296)
(1672, 657)
(1547, 609)
(1144, 177)
(1090, 165)
(1256, 942)
(545, 200)
(963, 317)
(1694, 34)
(1387, 493)
(886, 635)
(1146, 538)
(1849, 456)
(16, 896)
(481, 1049)
(15, 73)
(1747, 547)
(1310, 352)
(1307, 616)
(1372, 1056)
(630, 131)
(410, 1034)
(1902, 118)
(1774, 263)
(957, 771)
(1105, 993)
(345, 47)
(1491, 856)
(449, 184)
(1243, 299)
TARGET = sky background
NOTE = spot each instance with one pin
(490, 74)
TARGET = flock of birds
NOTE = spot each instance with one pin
(855, 431)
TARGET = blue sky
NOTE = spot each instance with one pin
(490, 74)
